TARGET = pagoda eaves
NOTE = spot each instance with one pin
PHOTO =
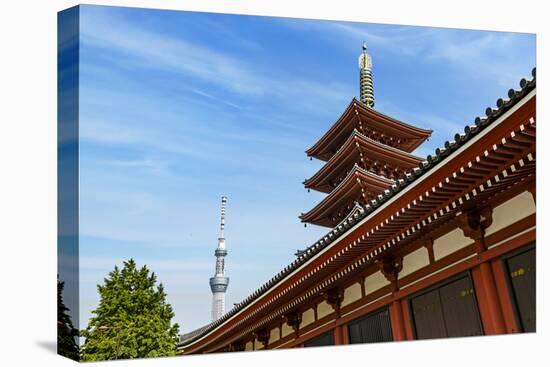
(371, 155)
(371, 123)
(359, 186)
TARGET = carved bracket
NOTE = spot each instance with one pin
(294, 320)
(334, 297)
(390, 267)
(474, 222)
(263, 336)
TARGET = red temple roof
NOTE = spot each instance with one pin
(359, 148)
(358, 116)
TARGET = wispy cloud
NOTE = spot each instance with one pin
(357, 34)
(150, 50)
(485, 56)
(108, 132)
(216, 99)
(477, 55)
(444, 127)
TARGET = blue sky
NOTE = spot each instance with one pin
(178, 108)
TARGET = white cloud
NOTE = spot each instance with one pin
(497, 57)
(493, 56)
(108, 132)
(151, 50)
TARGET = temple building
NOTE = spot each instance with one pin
(416, 248)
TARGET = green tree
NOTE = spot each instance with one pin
(132, 319)
(66, 332)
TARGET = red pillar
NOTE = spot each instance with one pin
(338, 337)
(488, 300)
(345, 334)
(341, 336)
(397, 322)
(504, 297)
(409, 334)
(473, 223)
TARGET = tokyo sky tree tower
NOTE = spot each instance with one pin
(219, 282)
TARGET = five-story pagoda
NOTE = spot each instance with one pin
(365, 153)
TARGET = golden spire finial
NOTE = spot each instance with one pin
(365, 78)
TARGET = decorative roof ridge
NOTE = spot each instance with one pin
(355, 212)
(440, 154)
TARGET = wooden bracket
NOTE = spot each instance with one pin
(391, 266)
(294, 320)
(474, 222)
(334, 297)
(263, 337)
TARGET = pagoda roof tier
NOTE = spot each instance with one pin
(359, 148)
(358, 116)
(359, 185)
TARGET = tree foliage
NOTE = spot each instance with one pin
(66, 333)
(132, 320)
